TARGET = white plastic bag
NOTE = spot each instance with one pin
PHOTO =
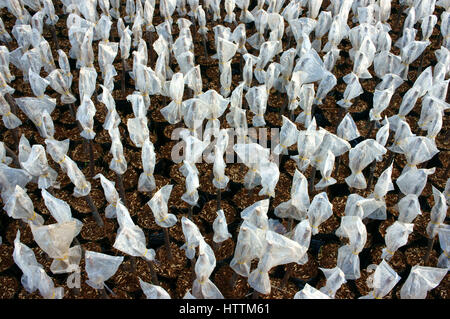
(220, 228)
(348, 259)
(335, 278)
(396, 237)
(444, 241)
(153, 291)
(298, 205)
(203, 287)
(319, 211)
(421, 280)
(60, 210)
(384, 280)
(438, 213)
(20, 206)
(158, 205)
(55, 240)
(309, 292)
(192, 236)
(100, 267)
(347, 128)
(111, 195)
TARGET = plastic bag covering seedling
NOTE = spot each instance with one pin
(203, 287)
(20, 206)
(335, 278)
(279, 250)
(347, 129)
(309, 292)
(408, 208)
(220, 228)
(111, 195)
(173, 112)
(319, 211)
(60, 210)
(359, 158)
(215, 107)
(34, 276)
(298, 205)
(118, 163)
(130, 238)
(55, 240)
(438, 213)
(76, 176)
(352, 90)
(288, 136)
(396, 237)
(146, 182)
(250, 244)
(153, 291)
(326, 171)
(37, 165)
(257, 98)
(138, 130)
(85, 115)
(348, 259)
(252, 155)
(413, 181)
(3, 158)
(270, 174)
(58, 83)
(9, 178)
(192, 236)
(421, 280)
(302, 235)
(444, 241)
(158, 205)
(382, 187)
(256, 214)
(10, 120)
(384, 280)
(100, 267)
(418, 149)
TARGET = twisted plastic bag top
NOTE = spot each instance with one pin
(153, 291)
(173, 112)
(59, 84)
(220, 179)
(100, 267)
(309, 292)
(396, 237)
(335, 278)
(20, 206)
(383, 133)
(421, 279)
(240, 38)
(384, 280)
(403, 131)
(384, 184)
(192, 236)
(230, 16)
(193, 79)
(327, 83)
(319, 211)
